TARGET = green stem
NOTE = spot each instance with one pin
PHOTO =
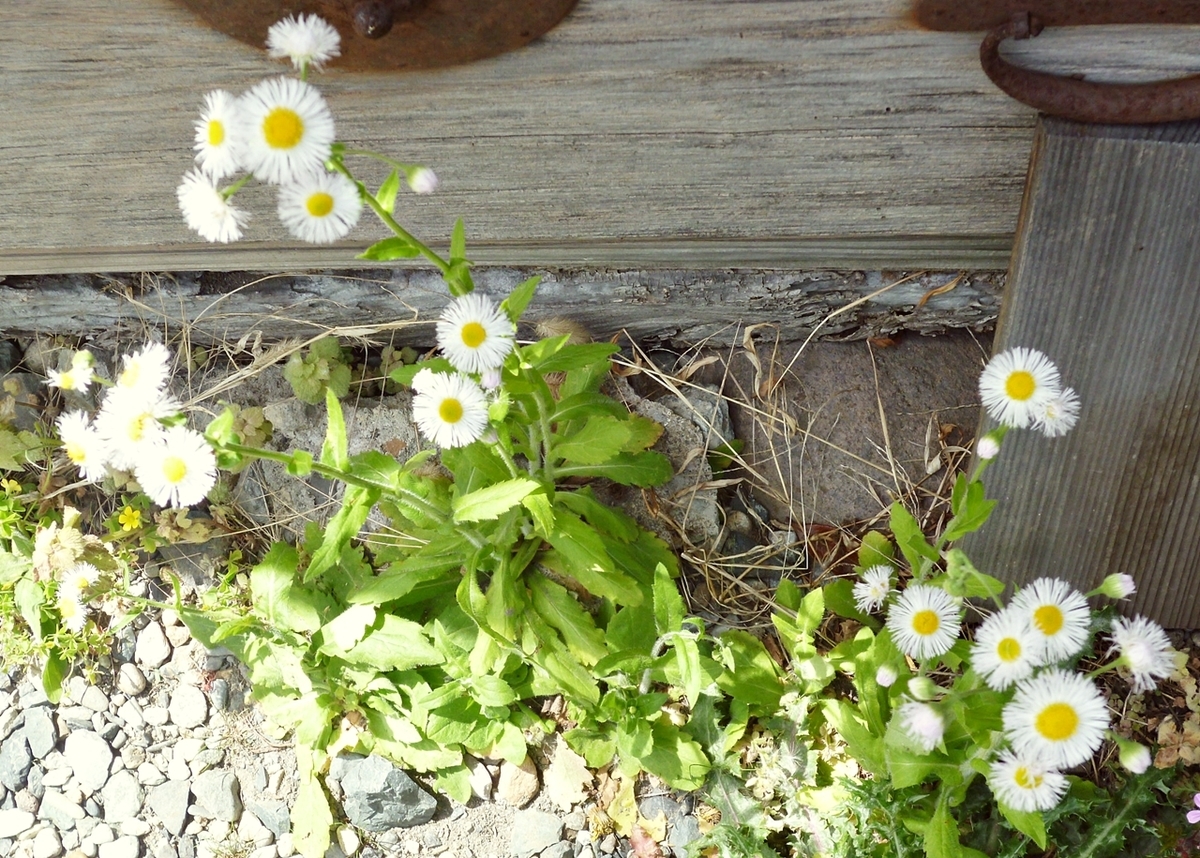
(236, 186)
(386, 216)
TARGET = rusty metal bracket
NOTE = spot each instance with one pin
(396, 35)
(1071, 98)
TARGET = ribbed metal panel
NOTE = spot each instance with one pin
(1105, 279)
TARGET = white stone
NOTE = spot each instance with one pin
(251, 829)
(90, 758)
(284, 846)
(15, 822)
(133, 827)
(347, 840)
(102, 833)
(122, 847)
(131, 680)
(95, 699)
(152, 648)
(170, 617)
(149, 774)
(177, 769)
(75, 688)
(156, 716)
(189, 749)
(131, 714)
(47, 844)
(268, 851)
(189, 706)
(56, 777)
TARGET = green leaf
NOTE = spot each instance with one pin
(386, 195)
(458, 241)
(668, 604)
(839, 598)
(29, 597)
(405, 374)
(629, 469)
(911, 540)
(540, 507)
(643, 433)
(12, 450)
(941, 834)
(585, 559)
(397, 644)
(1028, 822)
(576, 356)
(563, 612)
(54, 671)
(692, 676)
(432, 563)
(493, 501)
(276, 596)
(516, 302)
(454, 782)
(677, 759)
(750, 674)
(333, 452)
(13, 566)
(631, 630)
(346, 629)
(875, 550)
(311, 814)
(967, 582)
(300, 464)
(865, 747)
(601, 438)
(344, 526)
(606, 519)
(492, 691)
(390, 248)
(974, 509)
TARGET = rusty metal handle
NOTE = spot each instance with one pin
(1081, 100)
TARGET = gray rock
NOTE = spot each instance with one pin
(14, 822)
(15, 761)
(10, 720)
(92, 808)
(122, 847)
(90, 757)
(189, 706)
(683, 831)
(35, 783)
(379, 796)
(533, 831)
(27, 801)
(153, 649)
(60, 811)
(655, 804)
(40, 732)
(217, 794)
(561, 849)
(274, 815)
(187, 847)
(75, 717)
(218, 693)
(122, 796)
(95, 699)
(169, 802)
(131, 680)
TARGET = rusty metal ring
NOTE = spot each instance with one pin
(1081, 100)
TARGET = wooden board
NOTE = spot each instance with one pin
(671, 133)
(1104, 281)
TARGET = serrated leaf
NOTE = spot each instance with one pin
(276, 596)
(599, 439)
(346, 629)
(13, 566)
(516, 302)
(974, 510)
(585, 559)
(311, 814)
(563, 612)
(493, 501)
(677, 759)
(342, 527)
(397, 644)
(643, 433)
(606, 519)
(542, 510)
(629, 469)
(1028, 822)
(576, 356)
(390, 248)
(334, 450)
(668, 604)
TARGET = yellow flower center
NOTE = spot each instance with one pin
(283, 128)
(67, 380)
(319, 204)
(1020, 385)
(1025, 780)
(216, 132)
(473, 335)
(451, 411)
(1057, 722)
(174, 469)
(1009, 649)
(76, 453)
(926, 622)
(137, 427)
(1048, 619)
(129, 375)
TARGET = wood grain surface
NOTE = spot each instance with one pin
(674, 133)
(1104, 282)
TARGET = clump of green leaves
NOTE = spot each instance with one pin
(322, 366)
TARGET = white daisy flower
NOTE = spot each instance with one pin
(450, 409)
(475, 334)
(307, 40)
(1145, 649)
(1006, 649)
(1015, 383)
(422, 180)
(922, 723)
(1058, 414)
(145, 372)
(178, 468)
(320, 208)
(289, 130)
(924, 621)
(1057, 612)
(1025, 785)
(872, 591)
(207, 211)
(83, 444)
(216, 131)
(128, 421)
(73, 613)
(75, 378)
(77, 581)
(1057, 717)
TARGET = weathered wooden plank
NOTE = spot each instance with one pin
(656, 305)
(1103, 280)
(672, 133)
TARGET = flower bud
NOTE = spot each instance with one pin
(1134, 756)
(1117, 586)
(923, 688)
(423, 180)
(885, 676)
(987, 447)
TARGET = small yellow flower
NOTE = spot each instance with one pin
(130, 519)
(10, 487)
